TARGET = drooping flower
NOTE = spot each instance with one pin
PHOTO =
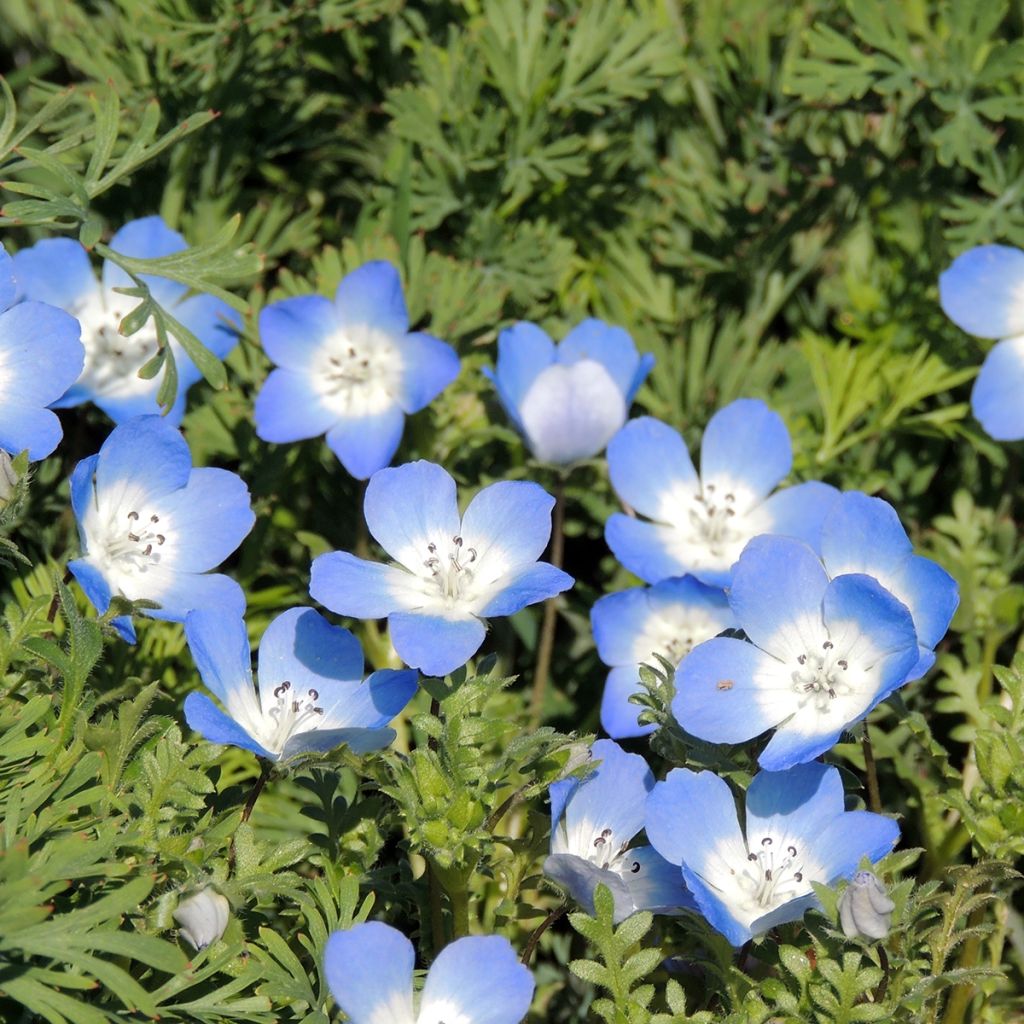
(983, 294)
(865, 909)
(824, 653)
(796, 832)
(203, 917)
(312, 695)
(474, 980)
(452, 573)
(40, 358)
(58, 271)
(151, 526)
(633, 625)
(593, 821)
(350, 369)
(700, 524)
(568, 400)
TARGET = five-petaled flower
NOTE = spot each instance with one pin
(350, 369)
(312, 695)
(474, 980)
(797, 832)
(58, 271)
(453, 572)
(151, 526)
(700, 524)
(568, 400)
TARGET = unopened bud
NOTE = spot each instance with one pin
(203, 918)
(864, 908)
(9, 478)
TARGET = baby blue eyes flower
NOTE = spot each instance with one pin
(824, 653)
(350, 369)
(151, 526)
(700, 524)
(593, 822)
(312, 695)
(630, 627)
(58, 271)
(474, 980)
(40, 358)
(796, 832)
(568, 400)
(453, 572)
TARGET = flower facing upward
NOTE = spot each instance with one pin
(453, 572)
(797, 832)
(151, 526)
(57, 270)
(312, 695)
(700, 524)
(474, 980)
(568, 400)
(350, 369)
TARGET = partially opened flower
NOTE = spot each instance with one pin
(453, 572)
(796, 831)
(824, 653)
(633, 625)
(312, 696)
(865, 909)
(151, 526)
(58, 271)
(350, 369)
(593, 821)
(700, 524)
(568, 400)
(40, 358)
(474, 980)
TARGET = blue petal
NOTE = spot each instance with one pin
(535, 583)
(8, 288)
(863, 534)
(932, 596)
(55, 270)
(790, 746)
(580, 877)
(996, 398)
(288, 408)
(40, 353)
(648, 464)
(92, 582)
(618, 715)
(383, 695)
(981, 292)
(27, 426)
(645, 549)
(121, 410)
(323, 741)
(612, 347)
(178, 593)
(433, 644)
(146, 456)
(219, 645)
(292, 331)
(509, 521)
(524, 350)
(687, 593)
(367, 443)
(654, 883)
(354, 586)
(372, 295)
(800, 511)
(853, 835)
(429, 365)
(642, 370)
(715, 910)
(83, 493)
(798, 804)
(146, 238)
(206, 718)
(617, 620)
(369, 972)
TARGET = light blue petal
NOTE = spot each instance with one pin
(145, 456)
(645, 549)
(688, 592)
(789, 747)
(368, 443)
(8, 288)
(435, 645)
(528, 586)
(794, 910)
(146, 238)
(863, 534)
(83, 493)
(121, 410)
(932, 596)
(372, 295)
(996, 397)
(618, 715)
(642, 370)
(293, 330)
(655, 884)
(40, 352)
(214, 725)
(800, 511)
(524, 350)
(219, 644)
(28, 426)
(981, 292)
(383, 695)
(647, 462)
(510, 521)
(354, 586)
(369, 972)
(715, 910)
(617, 620)
(580, 877)
(855, 834)
(213, 322)
(55, 270)
(797, 804)
(323, 741)
(92, 582)
(558, 795)
(288, 408)
(746, 443)
(612, 347)
(183, 592)
(429, 365)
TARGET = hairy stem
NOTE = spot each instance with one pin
(531, 943)
(546, 640)
(254, 793)
(874, 796)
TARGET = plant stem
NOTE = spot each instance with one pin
(458, 900)
(436, 915)
(546, 640)
(874, 797)
(883, 961)
(531, 943)
(254, 793)
(961, 996)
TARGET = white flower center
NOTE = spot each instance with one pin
(606, 852)
(132, 542)
(113, 361)
(452, 567)
(772, 874)
(358, 371)
(821, 676)
(290, 713)
(712, 514)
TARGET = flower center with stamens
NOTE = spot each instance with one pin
(113, 361)
(821, 676)
(134, 540)
(605, 852)
(451, 568)
(358, 371)
(712, 515)
(291, 712)
(771, 876)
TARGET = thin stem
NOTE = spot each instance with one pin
(265, 770)
(546, 641)
(874, 796)
(883, 960)
(436, 914)
(458, 900)
(531, 944)
(435, 712)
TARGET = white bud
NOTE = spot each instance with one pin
(8, 478)
(864, 908)
(203, 918)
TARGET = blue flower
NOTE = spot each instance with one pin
(452, 573)
(593, 821)
(40, 358)
(151, 526)
(796, 832)
(631, 626)
(568, 400)
(474, 980)
(349, 369)
(58, 271)
(702, 523)
(312, 696)
(824, 653)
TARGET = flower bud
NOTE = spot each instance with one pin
(203, 918)
(864, 908)
(9, 479)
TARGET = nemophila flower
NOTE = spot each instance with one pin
(593, 821)
(630, 627)
(796, 832)
(700, 524)
(350, 369)
(568, 400)
(151, 526)
(474, 980)
(453, 573)
(983, 294)
(203, 917)
(58, 271)
(312, 695)
(40, 358)
(824, 653)
(865, 909)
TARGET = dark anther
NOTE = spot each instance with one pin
(351, 352)
(149, 549)
(831, 692)
(798, 877)
(154, 519)
(318, 711)
(133, 514)
(802, 659)
(767, 841)
(160, 538)
(635, 868)
(768, 875)
(432, 548)
(134, 537)
(286, 685)
(457, 541)
(792, 850)
(600, 841)
(606, 833)
(751, 856)
(730, 497)
(844, 664)
(827, 645)
(316, 696)
(295, 706)
(472, 554)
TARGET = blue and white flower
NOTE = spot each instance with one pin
(58, 271)
(593, 821)
(350, 369)
(823, 654)
(700, 524)
(568, 400)
(40, 358)
(474, 980)
(633, 625)
(796, 832)
(983, 294)
(453, 572)
(151, 526)
(312, 696)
